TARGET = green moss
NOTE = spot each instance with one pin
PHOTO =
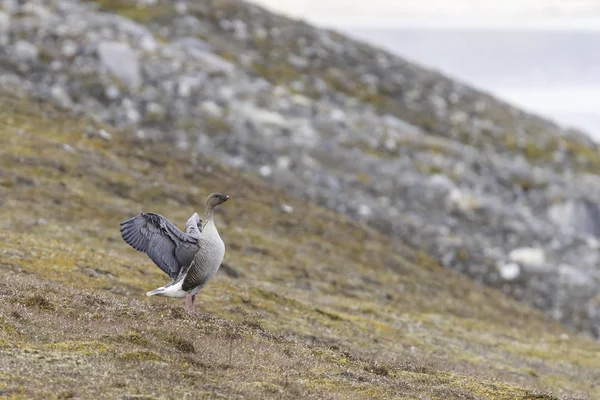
(134, 10)
(39, 301)
(8, 328)
(332, 315)
(134, 337)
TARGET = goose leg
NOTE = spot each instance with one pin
(188, 303)
(193, 303)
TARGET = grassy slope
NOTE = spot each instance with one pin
(313, 305)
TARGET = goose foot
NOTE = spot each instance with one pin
(190, 304)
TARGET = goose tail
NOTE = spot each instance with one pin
(155, 291)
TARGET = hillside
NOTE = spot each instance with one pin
(310, 304)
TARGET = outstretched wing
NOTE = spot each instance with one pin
(153, 234)
(193, 226)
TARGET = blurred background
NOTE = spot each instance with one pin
(543, 56)
(395, 226)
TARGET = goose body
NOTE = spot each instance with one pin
(190, 258)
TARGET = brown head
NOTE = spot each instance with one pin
(215, 199)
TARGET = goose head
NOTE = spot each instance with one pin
(216, 199)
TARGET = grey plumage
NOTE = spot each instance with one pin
(169, 248)
(190, 258)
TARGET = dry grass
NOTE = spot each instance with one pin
(312, 305)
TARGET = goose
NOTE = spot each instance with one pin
(190, 258)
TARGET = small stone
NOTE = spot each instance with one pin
(60, 95)
(215, 63)
(104, 135)
(4, 22)
(56, 65)
(284, 162)
(287, 208)
(181, 8)
(573, 275)
(186, 84)
(298, 62)
(155, 109)
(147, 43)
(212, 109)
(480, 106)
(533, 258)
(390, 144)
(133, 115)
(112, 92)
(592, 243)
(509, 271)
(364, 210)
(122, 61)
(25, 51)
(69, 48)
(463, 200)
(442, 181)
(265, 171)
(68, 148)
(337, 115)
(240, 30)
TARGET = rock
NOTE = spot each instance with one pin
(265, 171)
(284, 162)
(298, 62)
(390, 144)
(155, 110)
(531, 258)
(122, 61)
(509, 271)
(240, 30)
(211, 109)
(364, 210)
(463, 201)
(25, 51)
(337, 115)
(61, 96)
(287, 208)
(442, 181)
(4, 22)
(574, 276)
(148, 43)
(112, 92)
(581, 215)
(181, 7)
(263, 117)
(213, 63)
(69, 48)
(187, 84)
(101, 133)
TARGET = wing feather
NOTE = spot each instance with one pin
(166, 245)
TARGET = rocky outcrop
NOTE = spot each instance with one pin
(505, 197)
